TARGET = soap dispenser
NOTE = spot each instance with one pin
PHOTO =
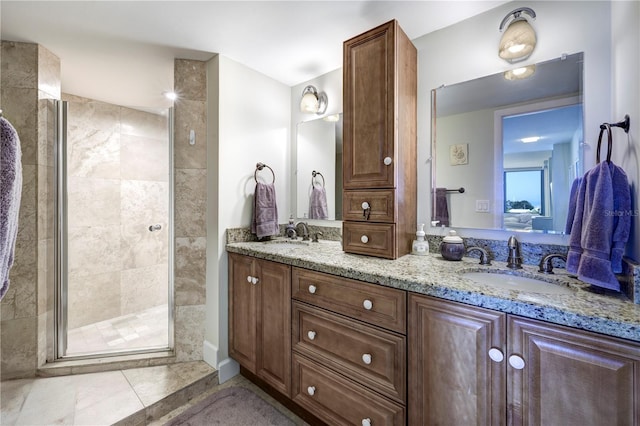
(290, 230)
(420, 245)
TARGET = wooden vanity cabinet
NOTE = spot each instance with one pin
(379, 157)
(476, 366)
(260, 318)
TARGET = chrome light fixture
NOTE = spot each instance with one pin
(519, 38)
(313, 101)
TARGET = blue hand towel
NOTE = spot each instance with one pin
(10, 195)
(265, 211)
(601, 226)
(318, 203)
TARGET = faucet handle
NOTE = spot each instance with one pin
(315, 236)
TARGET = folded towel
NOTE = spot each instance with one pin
(442, 207)
(10, 194)
(318, 203)
(265, 211)
(601, 226)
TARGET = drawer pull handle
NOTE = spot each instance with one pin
(254, 280)
(387, 161)
(311, 334)
(366, 422)
(311, 390)
(366, 210)
(248, 278)
(365, 206)
(516, 362)
(496, 355)
(367, 304)
(366, 358)
(312, 289)
(364, 239)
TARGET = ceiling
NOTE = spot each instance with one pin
(122, 51)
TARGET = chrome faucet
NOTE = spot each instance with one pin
(484, 257)
(514, 260)
(305, 230)
(546, 264)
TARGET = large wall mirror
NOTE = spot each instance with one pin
(319, 168)
(506, 147)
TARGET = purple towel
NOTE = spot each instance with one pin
(442, 207)
(10, 194)
(265, 211)
(601, 226)
(573, 199)
(318, 203)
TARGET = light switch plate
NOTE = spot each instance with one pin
(482, 206)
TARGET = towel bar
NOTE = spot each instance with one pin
(313, 175)
(460, 190)
(260, 166)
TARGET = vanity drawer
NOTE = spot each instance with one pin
(372, 303)
(337, 400)
(373, 239)
(381, 205)
(368, 355)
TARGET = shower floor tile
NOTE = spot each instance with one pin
(142, 330)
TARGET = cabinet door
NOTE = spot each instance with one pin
(369, 113)
(571, 377)
(453, 380)
(274, 324)
(242, 311)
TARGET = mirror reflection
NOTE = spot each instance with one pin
(513, 141)
(319, 168)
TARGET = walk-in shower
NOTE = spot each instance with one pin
(114, 207)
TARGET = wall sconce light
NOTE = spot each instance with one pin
(519, 38)
(312, 101)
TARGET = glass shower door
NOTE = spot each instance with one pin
(114, 234)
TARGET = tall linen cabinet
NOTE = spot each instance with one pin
(379, 158)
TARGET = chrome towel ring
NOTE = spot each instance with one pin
(260, 166)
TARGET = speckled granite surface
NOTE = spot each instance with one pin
(611, 314)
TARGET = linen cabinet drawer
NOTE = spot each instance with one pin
(372, 206)
(372, 303)
(336, 400)
(368, 355)
(372, 239)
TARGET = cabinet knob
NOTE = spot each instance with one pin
(367, 304)
(312, 289)
(516, 362)
(387, 161)
(311, 334)
(366, 422)
(364, 239)
(311, 390)
(248, 278)
(254, 280)
(366, 358)
(496, 355)
(365, 206)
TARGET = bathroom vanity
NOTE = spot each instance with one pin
(411, 341)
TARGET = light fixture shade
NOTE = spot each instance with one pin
(519, 38)
(312, 101)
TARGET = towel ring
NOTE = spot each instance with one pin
(260, 166)
(603, 127)
(313, 175)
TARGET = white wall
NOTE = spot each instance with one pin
(468, 50)
(626, 100)
(248, 122)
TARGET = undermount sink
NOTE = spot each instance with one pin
(516, 282)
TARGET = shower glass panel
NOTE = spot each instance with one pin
(114, 229)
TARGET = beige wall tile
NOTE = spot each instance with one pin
(20, 299)
(139, 247)
(93, 153)
(143, 124)
(93, 297)
(190, 79)
(27, 217)
(144, 158)
(19, 65)
(94, 249)
(18, 355)
(48, 73)
(190, 115)
(190, 271)
(144, 202)
(20, 107)
(93, 202)
(190, 202)
(189, 332)
(144, 288)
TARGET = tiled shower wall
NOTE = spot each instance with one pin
(118, 186)
(29, 80)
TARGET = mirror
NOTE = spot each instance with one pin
(505, 150)
(319, 168)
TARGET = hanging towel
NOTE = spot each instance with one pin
(265, 211)
(601, 226)
(10, 194)
(318, 203)
(573, 199)
(442, 207)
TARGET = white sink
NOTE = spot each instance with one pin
(516, 282)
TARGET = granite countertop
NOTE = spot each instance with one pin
(610, 314)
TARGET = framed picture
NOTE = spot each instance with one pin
(459, 154)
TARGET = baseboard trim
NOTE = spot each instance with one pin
(228, 369)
